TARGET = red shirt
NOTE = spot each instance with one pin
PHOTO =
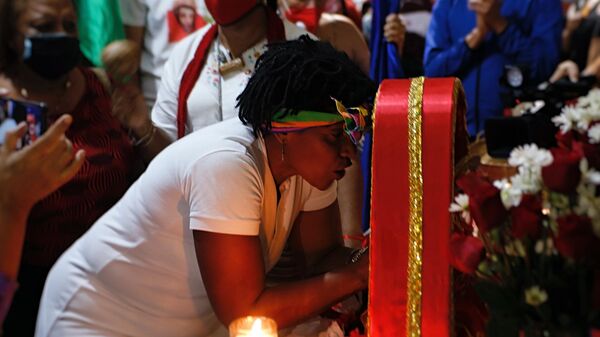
(61, 218)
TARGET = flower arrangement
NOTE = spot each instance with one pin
(532, 241)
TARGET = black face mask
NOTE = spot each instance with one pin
(51, 55)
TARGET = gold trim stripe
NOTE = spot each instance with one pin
(415, 186)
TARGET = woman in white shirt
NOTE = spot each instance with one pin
(187, 249)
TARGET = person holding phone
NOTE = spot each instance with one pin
(39, 57)
(42, 168)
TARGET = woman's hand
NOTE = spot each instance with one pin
(489, 10)
(361, 268)
(476, 37)
(130, 109)
(566, 68)
(32, 173)
(394, 31)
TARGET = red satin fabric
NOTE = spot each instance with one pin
(190, 76)
(390, 208)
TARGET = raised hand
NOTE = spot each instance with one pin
(394, 31)
(32, 173)
(489, 10)
(130, 109)
(476, 37)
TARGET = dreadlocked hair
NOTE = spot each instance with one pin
(302, 74)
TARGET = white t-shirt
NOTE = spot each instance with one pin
(214, 97)
(135, 272)
(162, 30)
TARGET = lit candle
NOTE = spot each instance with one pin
(251, 326)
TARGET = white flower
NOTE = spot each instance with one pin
(587, 116)
(594, 134)
(567, 120)
(510, 195)
(530, 155)
(590, 176)
(528, 181)
(461, 204)
(535, 296)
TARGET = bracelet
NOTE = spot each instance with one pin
(357, 253)
(147, 138)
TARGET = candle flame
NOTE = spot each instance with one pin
(256, 330)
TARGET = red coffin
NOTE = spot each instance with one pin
(419, 132)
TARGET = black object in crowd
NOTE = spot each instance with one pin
(503, 134)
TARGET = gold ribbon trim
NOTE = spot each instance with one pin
(415, 218)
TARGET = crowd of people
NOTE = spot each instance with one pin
(220, 178)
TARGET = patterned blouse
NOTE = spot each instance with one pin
(109, 169)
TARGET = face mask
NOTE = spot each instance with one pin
(51, 55)
(308, 17)
(226, 12)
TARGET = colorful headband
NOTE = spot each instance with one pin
(355, 120)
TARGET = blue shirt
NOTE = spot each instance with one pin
(532, 38)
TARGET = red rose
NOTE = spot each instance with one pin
(576, 238)
(466, 252)
(592, 153)
(526, 219)
(485, 205)
(563, 175)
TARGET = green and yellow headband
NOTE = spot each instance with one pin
(354, 118)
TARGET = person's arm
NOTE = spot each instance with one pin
(232, 269)
(316, 241)
(130, 109)
(574, 19)
(594, 49)
(226, 224)
(27, 176)
(444, 57)
(540, 48)
(350, 195)
(136, 35)
(592, 68)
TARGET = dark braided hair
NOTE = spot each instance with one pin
(302, 74)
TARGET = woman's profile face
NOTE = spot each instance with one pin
(319, 155)
(44, 16)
